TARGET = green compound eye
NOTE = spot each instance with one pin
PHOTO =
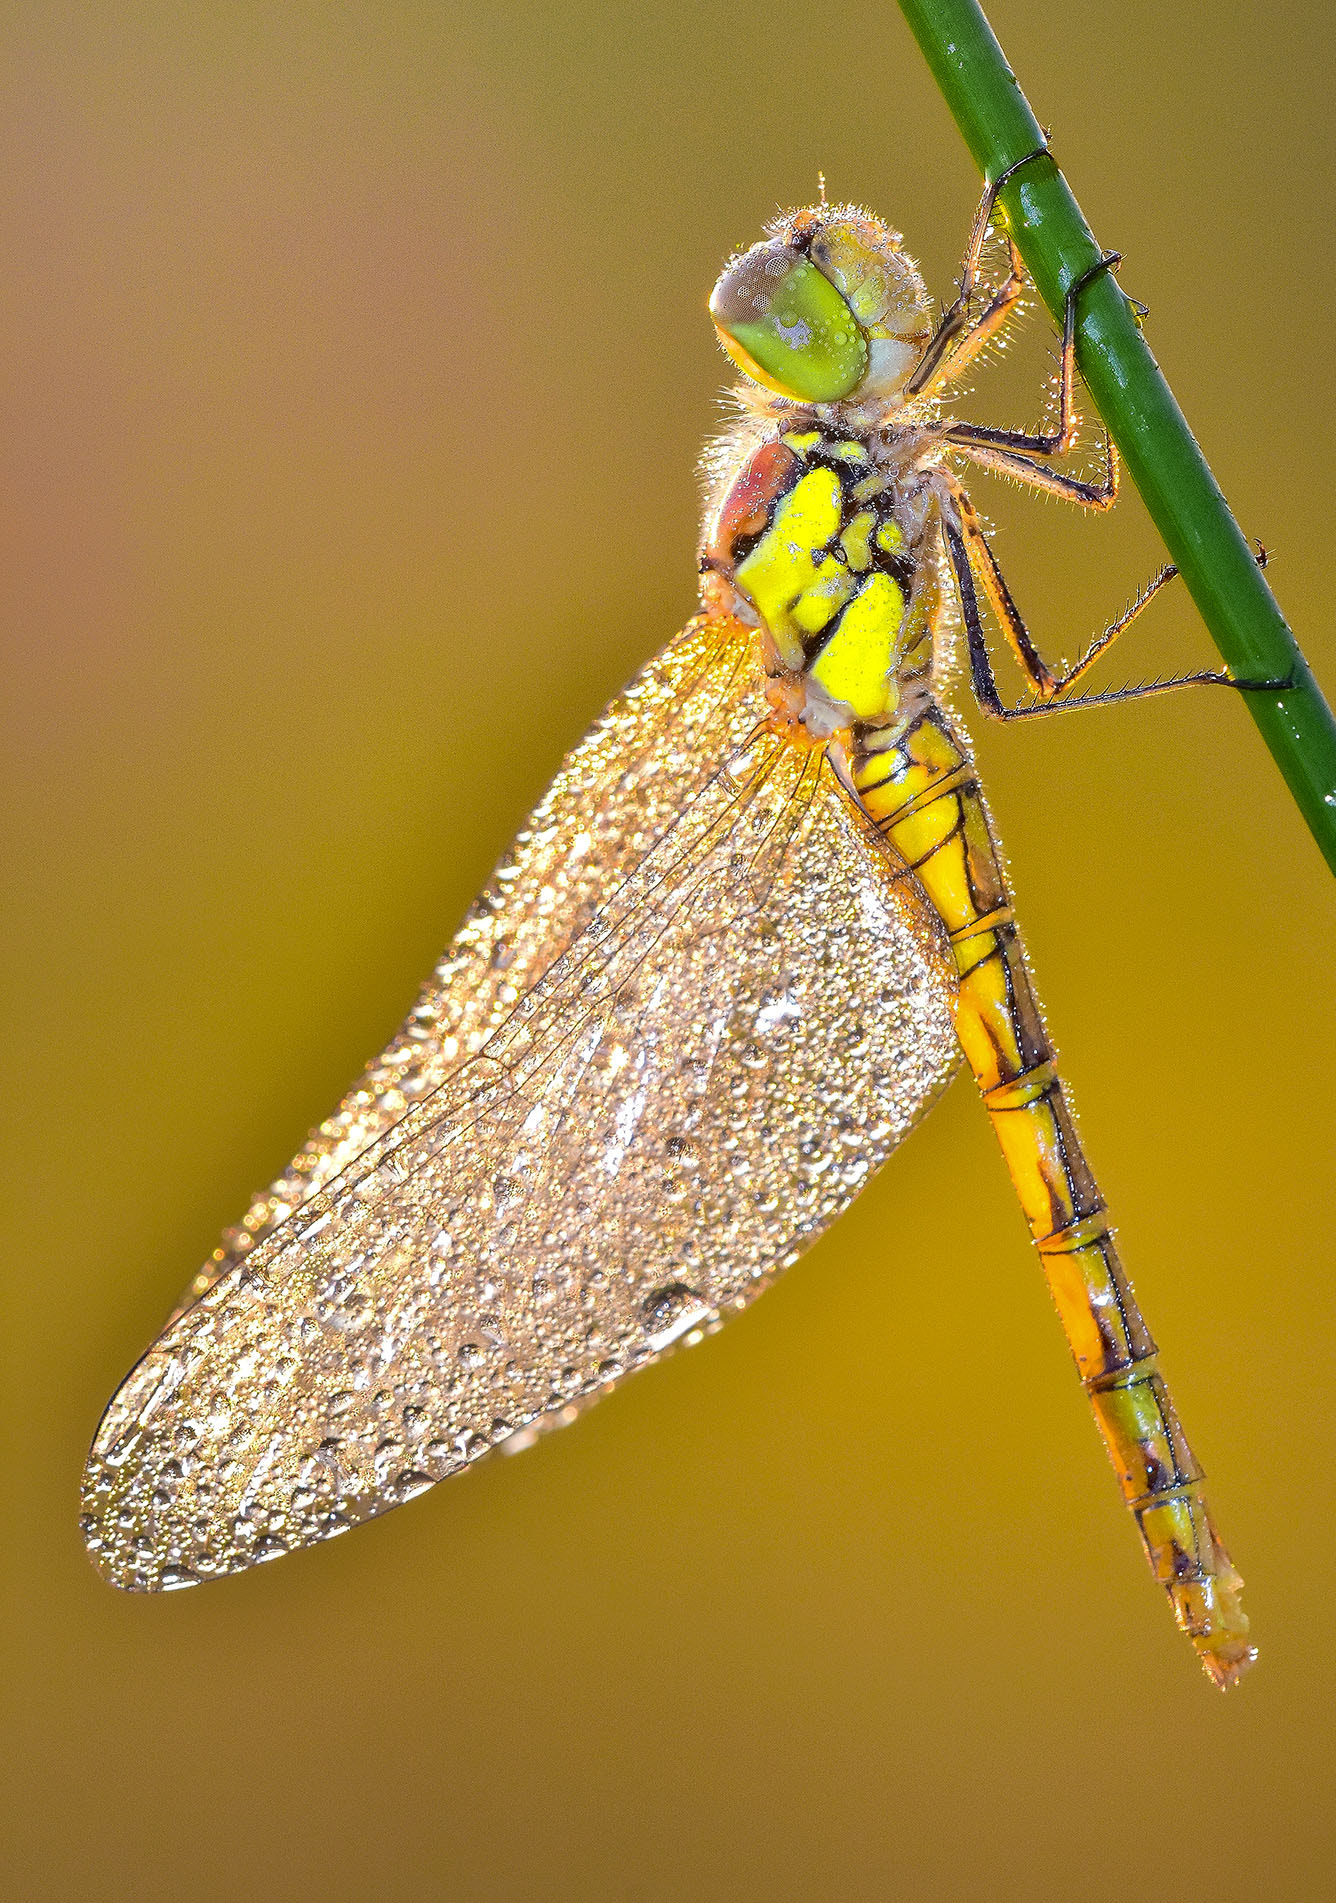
(788, 327)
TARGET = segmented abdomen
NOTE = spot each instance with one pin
(921, 790)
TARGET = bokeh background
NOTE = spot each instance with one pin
(356, 369)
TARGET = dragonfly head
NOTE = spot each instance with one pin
(827, 308)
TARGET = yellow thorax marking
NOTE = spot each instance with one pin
(795, 581)
(802, 442)
(855, 541)
(799, 583)
(855, 664)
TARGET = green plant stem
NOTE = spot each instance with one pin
(1136, 404)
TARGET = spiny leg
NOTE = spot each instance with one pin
(1041, 677)
(970, 337)
(990, 325)
(1043, 442)
(1047, 685)
(1003, 461)
(955, 338)
(1050, 686)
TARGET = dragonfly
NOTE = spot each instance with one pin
(736, 952)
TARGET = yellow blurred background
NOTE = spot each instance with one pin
(357, 367)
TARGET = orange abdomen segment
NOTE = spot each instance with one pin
(922, 793)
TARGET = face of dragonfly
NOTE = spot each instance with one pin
(827, 308)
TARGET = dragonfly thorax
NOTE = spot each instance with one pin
(822, 539)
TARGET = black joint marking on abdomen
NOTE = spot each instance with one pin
(874, 786)
(993, 948)
(959, 779)
(997, 920)
(1082, 1231)
(1140, 1371)
(1018, 1093)
(916, 865)
(1178, 1490)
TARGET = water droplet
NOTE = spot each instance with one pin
(123, 1446)
(670, 1311)
(683, 1152)
(410, 1483)
(355, 1313)
(393, 1170)
(173, 1578)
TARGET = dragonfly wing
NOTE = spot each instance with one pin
(749, 1018)
(653, 749)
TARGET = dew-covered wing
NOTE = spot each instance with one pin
(654, 748)
(745, 1022)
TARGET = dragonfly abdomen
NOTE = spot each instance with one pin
(922, 793)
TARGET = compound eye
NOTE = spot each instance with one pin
(787, 326)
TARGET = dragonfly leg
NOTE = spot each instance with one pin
(965, 539)
(1055, 442)
(957, 338)
(1028, 469)
(975, 335)
(922, 792)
